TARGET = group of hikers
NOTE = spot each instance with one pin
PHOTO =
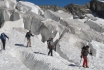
(4, 36)
(51, 46)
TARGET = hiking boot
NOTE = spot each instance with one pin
(87, 67)
(84, 66)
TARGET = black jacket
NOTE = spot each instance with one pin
(28, 35)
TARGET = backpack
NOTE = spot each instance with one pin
(83, 47)
(3, 37)
(27, 35)
(48, 43)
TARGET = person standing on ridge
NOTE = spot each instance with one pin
(84, 53)
(3, 39)
(50, 46)
(28, 35)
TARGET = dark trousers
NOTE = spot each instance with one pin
(3, 42)
(50, 51)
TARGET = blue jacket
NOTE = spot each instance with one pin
(3, 36)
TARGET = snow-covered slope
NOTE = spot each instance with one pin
(69, 36)
(101, 0)
(27, 6)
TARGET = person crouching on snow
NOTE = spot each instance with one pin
(50, 46)
(28, 35)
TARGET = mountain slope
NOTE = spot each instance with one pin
(69, 35)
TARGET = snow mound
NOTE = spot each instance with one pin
(8, 62)
(10, 4)
(27, 6)
(96, 25)
(7, 28)
(35, 56)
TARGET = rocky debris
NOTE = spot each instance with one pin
(53, 8)
(92, 7)
(97, 7)
(78, 9)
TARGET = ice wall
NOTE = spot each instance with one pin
(9, 25)
(39, 25)
(57, 15)
(27, 6)
(96, 49)
(97, 27)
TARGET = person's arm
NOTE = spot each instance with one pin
(90, 53)
(6, 36)
(31, 34)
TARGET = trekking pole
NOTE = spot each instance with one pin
(33, 41)
(8, 41)
(47, 50)
(24, 41)
(92, 62)
(80, 62)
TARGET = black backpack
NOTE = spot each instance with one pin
(83, 48)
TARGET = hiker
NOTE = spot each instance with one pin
(28, 35)
(3, 39)
(50, 46)
(84, 53)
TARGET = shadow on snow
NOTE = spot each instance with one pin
(39, 53)
(22, 45)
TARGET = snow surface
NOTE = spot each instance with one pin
(69, 36)
(36, 56)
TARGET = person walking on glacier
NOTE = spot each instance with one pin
(50, 46)
(84, 53)
(3, 39)
(28, 36)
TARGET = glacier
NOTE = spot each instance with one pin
(69, 34)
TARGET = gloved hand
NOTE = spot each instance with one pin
(33, 35)
(8, 38)
(81, 56)
(90, 53)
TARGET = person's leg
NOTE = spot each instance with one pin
(3, 42)
(29, 42)
(51, 52)
(84, 62)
